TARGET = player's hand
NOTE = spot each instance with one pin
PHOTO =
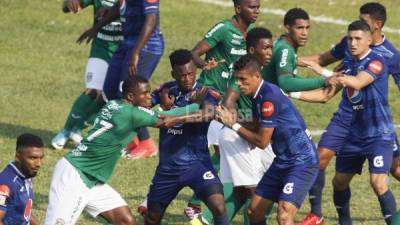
(332, 80)
(313, 66)
(167, 121)
(212, 63)
(199, 95)
(225, 116)
(87, 36)
(166, 100)
(73, 5)
(133, 64)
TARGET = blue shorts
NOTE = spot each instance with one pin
(118, 69)
(379, 154)
(287, 184)
(165, 186)
(396, 152)
(335, 133)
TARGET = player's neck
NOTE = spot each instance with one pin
(240, 23)
(290, 41)
(377, 38)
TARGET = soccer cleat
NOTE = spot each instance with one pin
(142, 208)
(76, 136)
(128, 150)
(145, 149)
(192, 211)
(59, 141)
(312, 219)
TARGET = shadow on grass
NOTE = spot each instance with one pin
(11, 131)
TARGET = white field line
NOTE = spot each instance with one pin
(281, 12)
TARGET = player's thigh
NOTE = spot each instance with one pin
(379, 155)
(103, 198)
(67, 196)
(148, 62)
(238, 162)
(297, 182)
(271, 184)
(341, 180)
(325, 156)
(114, 73)
(96, 70)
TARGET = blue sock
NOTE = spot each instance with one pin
(342, 204)
(388, 206)
(315, 194)
(221, 220)
(259, 223)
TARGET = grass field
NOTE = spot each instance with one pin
(41, 74)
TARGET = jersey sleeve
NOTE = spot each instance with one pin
(212, 97)
(143, 117)
(86, 3)
(338, 51)
(394, 68)
(151, 6)
(286, 61)
(375, 68)
(5, 194)
(269, 109)
(215, 35)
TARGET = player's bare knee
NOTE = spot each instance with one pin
(379, 185)
(339, 184)
(125, 219)
(254, 214)
(284, 214)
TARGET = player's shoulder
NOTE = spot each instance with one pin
(269, 90)
(283, 47)
(389, 46)
(221, 26)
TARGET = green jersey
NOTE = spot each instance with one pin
(284, 61)
(107, 40)
(227, 42)
(243, 104)
(98, 153)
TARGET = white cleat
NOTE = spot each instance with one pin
(59, 141)
(76, 136)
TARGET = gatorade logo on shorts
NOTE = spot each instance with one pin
(208, 175)
(267, 109)
(378, 161)
(288, 189)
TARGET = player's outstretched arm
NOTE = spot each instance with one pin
(322, 95)
(323, 59)
(200, 49)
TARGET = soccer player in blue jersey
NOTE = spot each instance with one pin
(138, 53)
(184, 156)
(16, 193)
(275, 121)
(333, 139)
(371, 131)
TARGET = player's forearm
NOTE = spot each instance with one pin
(289, 83)
(317, 96)
(253, 137)
(230, 99)
(181, 110)
(204, 115)
(111, 15)
(353, 82)
(148, 28)
(200, 49)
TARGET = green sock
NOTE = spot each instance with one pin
(396, 219)
(78, 112)
(232, 205)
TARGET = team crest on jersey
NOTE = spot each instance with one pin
(122, 7)
(375, 67)
(353, 95)
(267, 109)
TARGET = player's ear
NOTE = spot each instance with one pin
(378, 25)
(286, 29)
(238, 9)
(174, 75)
(251, 50)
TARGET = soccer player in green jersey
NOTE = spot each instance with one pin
(282, 70)
(223, 45)
(103, 47)
(80, 178)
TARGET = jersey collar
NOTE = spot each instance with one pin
(11, 163)
(258, 89)
(383, 40)
(365, 55)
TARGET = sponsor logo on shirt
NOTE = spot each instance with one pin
(353, 95)
(237, 36)
(211, 32)
(238, 51)
(267, 109)
(28, 209)
(284, 57)
(4, 194)
(175, 131)
(236, 42)
(376, 67)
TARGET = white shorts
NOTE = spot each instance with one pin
(213, 132)
(96, 71)
(69, 196)
(240, 164)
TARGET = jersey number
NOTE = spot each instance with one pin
(105, 126)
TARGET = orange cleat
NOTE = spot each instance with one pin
(312, 219)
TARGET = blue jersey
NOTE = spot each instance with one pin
(371, 118)
(133, 15)
(184, 144)
(291, 141)
(16, 196)
(386, 49)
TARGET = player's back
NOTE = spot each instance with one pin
(16, 196)
(371, 113)
(291, 141)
